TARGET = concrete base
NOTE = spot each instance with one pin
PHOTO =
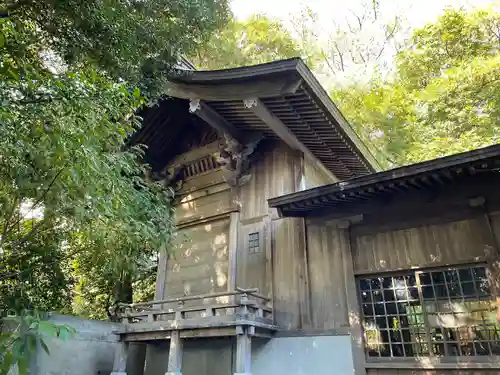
(173, 373)
(242, 373)
(118, 373)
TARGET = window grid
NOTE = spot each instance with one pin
(441, 312)
(253, 243)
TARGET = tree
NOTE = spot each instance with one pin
(444, 97)
(366, 39)
(257, 40)
(135, 41)
(73, 201)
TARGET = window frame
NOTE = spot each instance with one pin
(415, 361)
(251, 248)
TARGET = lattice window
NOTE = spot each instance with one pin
(203, 165)
(253, 243)
(442, 312)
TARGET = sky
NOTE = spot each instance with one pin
(336, 14)
(417, 12)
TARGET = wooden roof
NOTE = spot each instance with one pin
(348, 197)
(281, 100)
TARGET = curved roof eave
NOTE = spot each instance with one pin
(282, 80)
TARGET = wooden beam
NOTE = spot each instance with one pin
(244, 353)
(214, 119)
(235, 91)
(260, 110)
(175, 354)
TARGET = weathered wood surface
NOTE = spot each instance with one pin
(316, 176)
(328, 297)
(272, 175)
(290, 278)
(426, 245)
(203, 181)
(194, 207)
(246, 308)
(199, 262)
(251, 267)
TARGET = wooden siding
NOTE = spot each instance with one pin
(466, 240)
(273, 175)
(328, 298)
(252, 270)
(314, 177)
(494, 218)
(194, 207)
(203, 181)
(290, 277)
(199, 262)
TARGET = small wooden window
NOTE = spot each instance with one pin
(253, 243)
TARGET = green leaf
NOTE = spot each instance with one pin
(48, 328)
(22, 365)
(44, 346)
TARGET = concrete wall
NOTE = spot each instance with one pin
(312, 355)
(89, 352)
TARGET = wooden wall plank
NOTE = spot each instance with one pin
(201, 207)
(315, 176)
(272, 175)
(290, 284)
(199, 262)
(328, 299)
(251, 267)
(427, 245)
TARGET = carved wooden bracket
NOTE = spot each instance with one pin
(236, 160)
(172, 178)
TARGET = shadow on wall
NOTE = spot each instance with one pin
(89, 352)
(199, 262)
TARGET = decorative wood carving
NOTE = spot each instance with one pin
(171, 178)
(236, 159)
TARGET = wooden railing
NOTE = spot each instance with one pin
(212, 310)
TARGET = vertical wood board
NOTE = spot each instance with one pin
(290, 279)
(199, 261)
(328, 299)
(427, 245)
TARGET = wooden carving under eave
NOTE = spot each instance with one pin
(236, 160)
(172, 178)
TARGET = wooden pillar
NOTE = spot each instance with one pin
(120, 359)
(175, 354)
(234, 223)
(243, 351)
(354, 313)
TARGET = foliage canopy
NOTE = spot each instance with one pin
(444, 97)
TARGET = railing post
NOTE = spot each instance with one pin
(120, 359)
(244, 306)
(175, 354)
(179, 314)
(243, 352)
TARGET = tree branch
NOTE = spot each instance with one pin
(37, 202)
